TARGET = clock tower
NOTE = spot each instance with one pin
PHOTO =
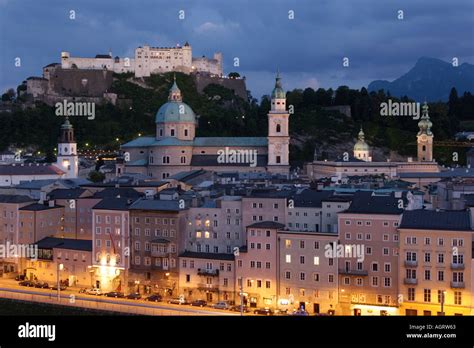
(425, 137)
(67, 159)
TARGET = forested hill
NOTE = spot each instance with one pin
(221, 113)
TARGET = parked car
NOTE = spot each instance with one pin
(178, 300)
(199, 303)
(237, 309)
(28, 283)
(41, 285)
(263, 311)
(115, 294)
(134, 296)
(20, 277)
(154, 298)
(300, 312)
(61, 287)
(221, 305)
(92, 291)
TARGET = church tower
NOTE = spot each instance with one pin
(278, 131)
(361, 148)
(425, 136)
(67, 151)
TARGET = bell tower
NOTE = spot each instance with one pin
(425, 136)
(278, 131)
(67, 151)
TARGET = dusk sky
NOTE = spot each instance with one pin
(308, 50)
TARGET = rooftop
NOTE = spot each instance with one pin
(155, 204)
(209, 256)
(366, 203)
(267, 224)
(15, 199)
(436, 220)
(65, 243)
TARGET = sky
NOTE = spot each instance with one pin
(307, 45)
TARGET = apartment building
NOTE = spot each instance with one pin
(111, 244)
(157, 238)
(78, 205)
(265, 205)
(368, 255)
(40, 220)
(257, 265)
(435, 268)
(208, 276)
(9, 226)
(216, 226)
(68, 260)
(307, 278)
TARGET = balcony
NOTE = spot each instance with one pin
(159, 253)
(457, 266)
(410, 281)
(208, 272)
(208, 287)
(353, 272)
(458, 285)
(411, 263)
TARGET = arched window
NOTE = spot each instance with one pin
(278, 128)
(172, 132)
(185, 132)
(424, 147)
(166, 159)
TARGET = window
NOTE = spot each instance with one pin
(411, 294)
(330, 278)
(440, 241)
(387, 267)
(287, 243)
(457, 297)
(387, 282)
(302, 276)
(440, 276)
(427, 274)
(316, 245)
(267, 284)
(375, 267)
(386, 238)
(427, 257)
(375, 281)
(440, 258)
(316, 260)
(288, 258)
(316, 277)
(427, 295)
(287, 275)
(302, 260)
(427, 241)
(386, 251)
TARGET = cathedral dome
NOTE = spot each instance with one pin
(175, 110)
(361, 145)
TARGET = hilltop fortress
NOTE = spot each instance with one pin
(149, 60)
(90, 79)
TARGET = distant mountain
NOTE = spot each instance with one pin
(430, 79)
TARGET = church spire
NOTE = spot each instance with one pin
(175, 92)
(67, 132)
(425, 123)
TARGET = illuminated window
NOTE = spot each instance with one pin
(288, 258)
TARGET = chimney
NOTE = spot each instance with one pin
(51, 203)
(42, 197)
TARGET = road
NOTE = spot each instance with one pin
(9, 288)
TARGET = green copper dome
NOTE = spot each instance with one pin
(278, 92)
(361, 145)
(175, 110)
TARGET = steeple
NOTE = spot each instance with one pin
(278, 92)
(425, 123)
(175, 92)
(67, 132)
(361, 148)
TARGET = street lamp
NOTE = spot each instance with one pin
(60, 268)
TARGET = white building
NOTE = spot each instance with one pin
(149, 60)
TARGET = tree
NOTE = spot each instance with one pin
(96, 176)
(233, 75)
(453, 102)
(9, 95)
